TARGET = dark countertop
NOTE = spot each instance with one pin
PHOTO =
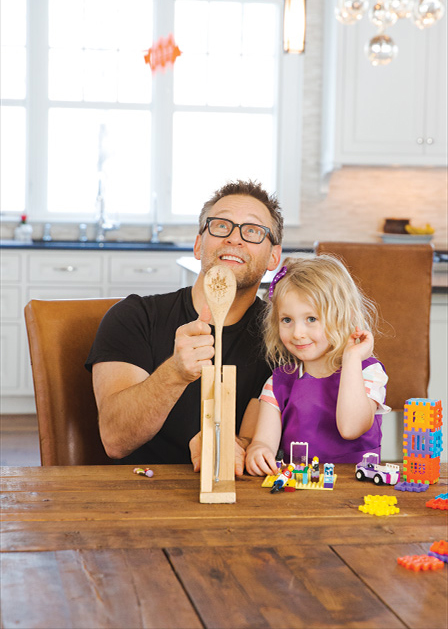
(440, 255)
(91, 245)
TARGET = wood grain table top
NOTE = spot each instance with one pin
(109, 548)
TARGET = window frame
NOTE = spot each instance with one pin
(287, 109)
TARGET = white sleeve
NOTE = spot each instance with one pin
(375, 380)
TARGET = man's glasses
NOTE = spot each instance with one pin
(250, 232)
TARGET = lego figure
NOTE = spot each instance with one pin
(328, 475)
(282, 478)
(315, 472)
(279, 459)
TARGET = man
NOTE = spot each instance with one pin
(148, 354)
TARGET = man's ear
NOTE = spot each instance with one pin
(197, 247)
(276, 255)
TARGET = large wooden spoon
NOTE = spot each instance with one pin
(220, 290)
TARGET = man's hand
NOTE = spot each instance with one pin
(193, 347)
(240, 453)
(195, 451)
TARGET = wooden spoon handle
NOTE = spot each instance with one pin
(218, 390)
(218, 369)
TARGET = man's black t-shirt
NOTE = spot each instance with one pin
(141, 331)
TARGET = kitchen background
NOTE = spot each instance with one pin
(352, 202)
(343, 196)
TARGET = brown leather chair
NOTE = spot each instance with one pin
(398, 279)
(60, 334)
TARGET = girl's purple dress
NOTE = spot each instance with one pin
(308, 409)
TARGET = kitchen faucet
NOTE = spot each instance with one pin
(156, 227)
(103, 224)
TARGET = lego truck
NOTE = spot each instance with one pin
(388, 474)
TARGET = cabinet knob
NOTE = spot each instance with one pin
(429, 140)
(420, 140)
(66, 269)
(147, 269)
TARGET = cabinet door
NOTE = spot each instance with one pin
(10, 340)
(10, 307)
(65, 268)
(145, 270)
(392, 114)
(10, 267)
(435, 133)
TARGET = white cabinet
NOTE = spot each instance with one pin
(140, 273)
(386, 115)
(28, 274)
(65, 268)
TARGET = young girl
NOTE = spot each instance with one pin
(327, 390)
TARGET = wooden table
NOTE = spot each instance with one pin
(102, 547)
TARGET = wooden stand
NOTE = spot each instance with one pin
(223, 490)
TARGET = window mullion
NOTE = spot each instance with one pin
(289, 147)
(37, 108)
(162, 121)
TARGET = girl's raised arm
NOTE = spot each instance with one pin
(355, 411)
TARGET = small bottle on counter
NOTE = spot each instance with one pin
(24, 231)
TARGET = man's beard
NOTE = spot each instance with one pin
(249, 277)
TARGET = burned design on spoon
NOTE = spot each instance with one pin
(218, 284)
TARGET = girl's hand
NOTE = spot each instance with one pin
(360, 344)
(260, 460)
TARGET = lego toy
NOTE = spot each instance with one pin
(296, 482)
(369, 468)
(422, 440)
(285, 475)
(420, 562)
(379, 505)
(438, 503)
(143, 472)
(315, 470)
(416, 487)
(279, 459)
(302, 473)
(329, 476)
(299, 454)
(439, 550)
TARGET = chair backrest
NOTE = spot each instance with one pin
(60, 334)
(398, 278)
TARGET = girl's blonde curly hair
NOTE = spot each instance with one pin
(340, 305)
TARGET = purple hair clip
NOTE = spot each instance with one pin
(276, 279)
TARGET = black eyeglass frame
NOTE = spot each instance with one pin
(267, 231)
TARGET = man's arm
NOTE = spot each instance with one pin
(133, 405)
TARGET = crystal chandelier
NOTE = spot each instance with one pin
(381, 49)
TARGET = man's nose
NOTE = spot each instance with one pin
(234, 236)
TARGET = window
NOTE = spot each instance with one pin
(82, 114)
